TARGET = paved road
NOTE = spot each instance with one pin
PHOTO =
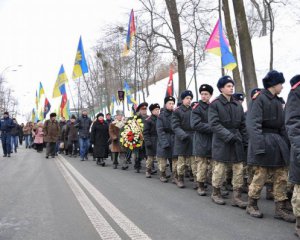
(64, 198)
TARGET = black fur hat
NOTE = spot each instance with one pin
(207, 88)
(273, 78)
(153, 106)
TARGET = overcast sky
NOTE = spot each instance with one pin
(41, 35)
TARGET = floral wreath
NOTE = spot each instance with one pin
(132, 133)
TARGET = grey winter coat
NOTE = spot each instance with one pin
(227, 122)
(268, 144)
(183, 132)
(203, 134)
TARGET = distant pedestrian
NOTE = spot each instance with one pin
(15, 132)
(38, 134)
(51, 134)
(6, 124)
(83, 124)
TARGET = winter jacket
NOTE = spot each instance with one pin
(227, 122)
(71, 132)
(114, 136)
(292, 122)
(100, 137)
(150, 135)
(6, 125)
(268, 145)
(51, 131)
(165, 135)
(183, 132)
(203, 134)
(84, 123)
(38, 135)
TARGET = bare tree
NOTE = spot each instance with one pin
(230, 34)
(245, 47)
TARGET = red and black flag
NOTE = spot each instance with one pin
(170, 87)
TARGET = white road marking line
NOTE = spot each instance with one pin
(100, 224)
(133, 231)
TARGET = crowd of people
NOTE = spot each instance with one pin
(210, 143)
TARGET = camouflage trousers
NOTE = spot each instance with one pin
(185, 161)
(296, 200)
(149, 162)
(219, 173)
(261, 176)
(202, 165)
(174, 165)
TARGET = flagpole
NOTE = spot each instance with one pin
(78, 97)
(220, 18)
(71, 95)
(135, 60)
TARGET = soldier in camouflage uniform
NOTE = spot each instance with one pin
(292, 121)
(165, 143)
(150, 137)
(268, 150)
(227, 121)
(183, 134)
(202, 136)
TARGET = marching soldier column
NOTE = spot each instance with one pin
(210, 135)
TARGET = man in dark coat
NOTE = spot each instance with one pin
(83, 124)
(140, 153)
(51, 135)
(100, 137)
(292, 121)
(268, 150)
(227, 121)
(6, 124)
(202, 136)
(183, 135)
(150, 137)
(165, 141)
(72, 137)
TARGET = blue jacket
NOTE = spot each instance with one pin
(6, 124)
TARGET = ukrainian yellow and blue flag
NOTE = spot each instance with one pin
(80, 65)
(61, 80)
(41, 90)
(130, 99)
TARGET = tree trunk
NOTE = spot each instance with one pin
(250, 80)
(174, 16)
(271, 17)
(236, 71)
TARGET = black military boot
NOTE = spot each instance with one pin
(186, 172)
(297, 227)
(280, 212)
(269, 191)
(253, 209)
(163, 177)
(237, 199)
(216, 196)
(288, 206)
(180, 181)
(201, 189)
